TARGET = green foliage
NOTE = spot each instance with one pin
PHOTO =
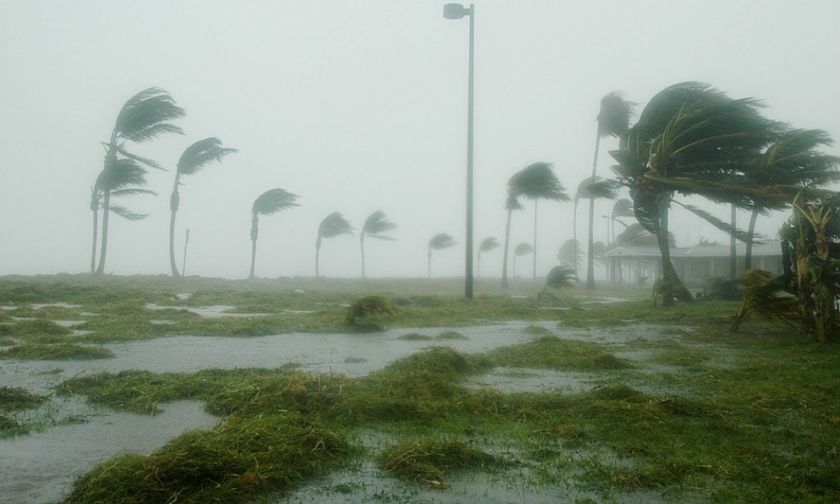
(724, 289)
(199, 154)
(272, 201)
(523, 249)
(429, 460)
(59, 351)
(597, 188)
(16, 399)
(536, 181)
(488, 244)
(366, 313)
(376, 225)
(551, 352)
(441, 241)
(560, 276)
(334, 225)
(614, 114)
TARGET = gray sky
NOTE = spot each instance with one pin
(358, 106)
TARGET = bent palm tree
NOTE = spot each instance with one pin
(593, 188)
(333, 225)
(511, 204)
(439, 241)
(521, 250)
(537, 181)
(143, 117)
(375, 226)
(193, 159)
(269, 202)
(487, 245)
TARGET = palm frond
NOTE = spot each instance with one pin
(441, 241)
(597, 188)
(726, 227)
(560, 276)
(569, 252)
(197, 155)
(376, 224)
(334, 225)
(637, 236)
(148, 162)
(126, 213)
(488, 244)
(512, 203)
(614, 115)
(273, 200)
(120, 174)
(146, 115)
(523, 248)
(537, 181)
(622, 208)
(132, 191)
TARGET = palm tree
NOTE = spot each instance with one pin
(537, 181)
(593, 188)
(487, 245)
(333, 225)
(143, 117)
(568, 254)
(439, 241)
(689, 139)
(511, 204)
(613, 120)
(375, 226)
(269, 202)
(193, 159)
(521, 250)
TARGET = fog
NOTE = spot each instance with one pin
(361, 106)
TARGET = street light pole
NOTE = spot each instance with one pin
(457, 11)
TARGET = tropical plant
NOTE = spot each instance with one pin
(376, 225)
(333, 225)
(365, 314)
(192, 160)
(511, 204)
(537, 181)
(690, 139)
(486, 245)
(439, 241)
(569, 254)
(558, 277)
(143, 117)
(592, 188)
(521, 250)
(269, 202)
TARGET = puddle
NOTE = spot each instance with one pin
(162, 322)
(603, 300)
(8, 307)
(68, 323)
(41, 467)
(183, 296)
(215, 311)
(514, 380)
(38, 306)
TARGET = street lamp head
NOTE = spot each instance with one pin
(455, 11)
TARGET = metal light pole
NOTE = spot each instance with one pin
(457, 11)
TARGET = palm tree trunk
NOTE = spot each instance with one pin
(574, 234)
(95, 208)
(507, 246)
(750, 236)
(254, 234)
(362, 248)
(106, 211)
(590, 259)
(184, 262)
(534, 268)
(478, 265)
(733, 251)
(672, 284)
(173, 208)
(317, 254)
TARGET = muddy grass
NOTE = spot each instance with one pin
(651, 404)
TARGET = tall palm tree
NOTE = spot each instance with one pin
(521, 250)
(143, 117)
(486, 245)
(593, 188)
(511, 204)
(439, 241)
(375, 226)
(193, 159)
(537, 181)
(689, 139)
(333, 225)
(269, 202)
(613, 120)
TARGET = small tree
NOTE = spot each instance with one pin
(487, 245)
(376, 225)
(269, 202)
(511, 204)
(333, 225)
(521, 250)
(439, 241)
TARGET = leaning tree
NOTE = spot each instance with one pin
(269, 202)
(511, 204)
(521, 250)
(486, 245)
(439, 241)
(193, 159)
(376, 225)
(143, 117)
(592, 188)
(333, 225)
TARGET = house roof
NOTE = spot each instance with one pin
(768, 248)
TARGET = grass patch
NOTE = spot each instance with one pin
(428, 461)
(60, 351)
(16, 399)
(415, 337)
(35, 331)
(551, 352)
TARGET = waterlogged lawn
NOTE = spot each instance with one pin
(669, 405)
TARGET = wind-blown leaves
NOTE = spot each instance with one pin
(140, 159)
(622, 208)
(126, 213)
(740, 235)
(637, 236)
(376, 224)
(523, 249)
(614, 115)
(441, 241)
(273, 200)
(560, 276)
(145, 116)
(598, 188)
(202, 152)
(537, 181)
(334, 225)
(488, 244)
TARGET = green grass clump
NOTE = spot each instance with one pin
(367, 313)
(35, 331)
(60, 351)
(551, 352)
(15, 399)
(429, 460)
(415, 337)
(6, 342)
(10, 427)
(537, 331)
(232, 463)
(450, 335)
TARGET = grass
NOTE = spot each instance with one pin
(59, 351)
(12, 400)
(764, 427)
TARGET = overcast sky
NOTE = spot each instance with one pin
(359, 106)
